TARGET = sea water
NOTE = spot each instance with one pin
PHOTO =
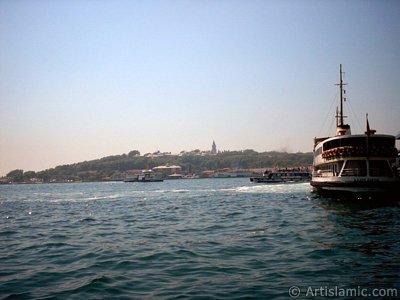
(193, 239)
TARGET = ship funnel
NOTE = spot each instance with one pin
(369, 131)
(343, 129)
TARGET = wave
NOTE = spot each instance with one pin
(271, 188)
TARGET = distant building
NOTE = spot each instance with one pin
(167, 170)
(213, 148)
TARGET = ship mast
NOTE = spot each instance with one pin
(341, 96)
(341, 128)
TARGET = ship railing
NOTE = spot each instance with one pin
(357, 172)
(322, 173)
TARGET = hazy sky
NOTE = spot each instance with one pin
(80, 80)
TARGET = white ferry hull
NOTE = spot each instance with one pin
(357, 185)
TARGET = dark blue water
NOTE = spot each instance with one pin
(190, 239)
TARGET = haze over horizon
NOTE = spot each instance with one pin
(80, 80)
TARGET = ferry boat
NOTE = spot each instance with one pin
(145, 176)
(355, 163)
(283, 176)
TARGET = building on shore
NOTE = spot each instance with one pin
(168, 170)
(213, 148)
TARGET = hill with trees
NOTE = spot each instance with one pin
(116, 167)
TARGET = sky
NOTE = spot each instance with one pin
(84, 79)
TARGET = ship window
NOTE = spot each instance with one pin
(379, 168)
(381, 141)
(355, 168)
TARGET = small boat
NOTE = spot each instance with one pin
(355, 163)
(175, 176)
(191, 176)
(145, 176)
(283, 176)
(131, 179)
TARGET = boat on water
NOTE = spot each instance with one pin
(283, 176)
(191, 176)
(145, 176)
(355, 163)
(175, 176)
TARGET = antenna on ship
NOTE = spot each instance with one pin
(341, 128)
(341, 95)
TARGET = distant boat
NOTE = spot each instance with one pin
(131, 179)
(355, 163)
(191, 176)
(145, 176)
(283, 176)
(175, 176)
(225, 175)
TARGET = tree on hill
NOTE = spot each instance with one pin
(16, 175)
(134, 153)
